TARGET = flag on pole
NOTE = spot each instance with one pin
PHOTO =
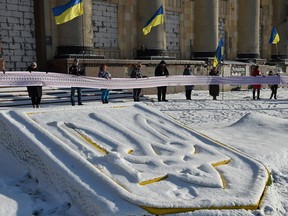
(156, 19)
(67, 12)
(218, 54)
(275, 38)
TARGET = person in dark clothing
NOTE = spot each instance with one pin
(161, 70)
(214, 89)
(273, 87)
(75, 69)
(3, 66)
(137, 73)
(189, 88)
(34, 92)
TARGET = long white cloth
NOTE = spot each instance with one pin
(25, 78)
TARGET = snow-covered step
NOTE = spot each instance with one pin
(18, 96)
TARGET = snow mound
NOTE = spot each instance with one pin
(260, 122)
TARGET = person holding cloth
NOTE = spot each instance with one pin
(34, 92)
(257, 87)
(273, 87)
(75, 69)
(103, 73)
(137, 73)
(214, 89)
(161, 70)
(188, 89)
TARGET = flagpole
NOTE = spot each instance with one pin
(222, 84)
(277, 51)
(83, 38)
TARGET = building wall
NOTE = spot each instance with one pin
(115, 29)
(17, 25)
(172, 29)
(105, 25)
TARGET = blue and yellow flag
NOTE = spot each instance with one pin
(67, 12)
(218, 54)
(275, 38)
(156, 19)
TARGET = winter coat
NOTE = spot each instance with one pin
(159, 71)
(137, 74)
(104, 74)
(76, 70)
(214, 89)
(34, 91)
(273, 86)
(256, 72)
(187, 72)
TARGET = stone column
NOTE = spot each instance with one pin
(2, 67)
(0, 50)
(154, 43)
(248, 29)
(206, 28)
(280, 22)
(76, 36)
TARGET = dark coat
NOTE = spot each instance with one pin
(214, 89)
(137, 74)
(34, 91)
(159, 71)
(187, 72)
(76, 70)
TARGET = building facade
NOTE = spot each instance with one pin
(112, 29)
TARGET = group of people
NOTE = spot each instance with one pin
(35, 92)
(214, 89)
(256, 88)
(75, 69)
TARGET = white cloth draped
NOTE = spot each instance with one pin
(25, 78)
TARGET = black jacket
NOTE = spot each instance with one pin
(214, 89)
(137, 74)
(76, 70)
(34, 91)
(159, 71)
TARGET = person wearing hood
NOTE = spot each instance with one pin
(161, 70)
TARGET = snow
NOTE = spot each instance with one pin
(214, 157)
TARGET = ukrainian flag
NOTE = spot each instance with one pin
(218, 54)
(67, 12)
(156, 19)
(275, 38)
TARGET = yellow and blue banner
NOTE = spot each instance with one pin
(67, 12)
(218, 54)
(275, 38)
(156, 19)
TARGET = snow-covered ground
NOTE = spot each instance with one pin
(182, 155)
